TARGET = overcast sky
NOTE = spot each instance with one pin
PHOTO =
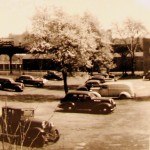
(16, 15)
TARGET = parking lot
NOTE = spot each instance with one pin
(127, 128)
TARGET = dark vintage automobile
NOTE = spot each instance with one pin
(20, 127)
(147, 76)
(86, 100)
(89, 84)
(53, 75)
(9, 83)
(98, 77)
(30, 80)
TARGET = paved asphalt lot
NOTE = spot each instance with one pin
(54, 89)
(128, 128)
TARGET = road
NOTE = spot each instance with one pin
(127, 128)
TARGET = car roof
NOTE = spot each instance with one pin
(6, 78)
(26, 76)
(98, 76)
(117, 83)
(93, 80)
(17, 108)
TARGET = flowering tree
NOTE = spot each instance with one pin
(67, 40)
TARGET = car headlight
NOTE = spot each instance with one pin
(43, 124)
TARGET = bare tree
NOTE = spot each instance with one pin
(129, 34)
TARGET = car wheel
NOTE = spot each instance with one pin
(18, 90)
(40, 142)
(36, 139)
(1, 86)
(123, 96)
(54, 136)
(39, 85)
(69, 108)
(104, 109)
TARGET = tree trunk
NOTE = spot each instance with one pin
(133, 65)
(64, 73)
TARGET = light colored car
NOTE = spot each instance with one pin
(121, 90)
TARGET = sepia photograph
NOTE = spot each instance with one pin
(74, 75)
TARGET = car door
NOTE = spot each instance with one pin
(83, 101)
(104, 90)
(7, 84)
(27, 80)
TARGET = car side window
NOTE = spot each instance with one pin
(6, 81)
(95, 84)
(104, 87)
(1, 80)
(87, 97)
(80, 97)
(71, 97)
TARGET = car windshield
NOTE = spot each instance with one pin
(27, 77)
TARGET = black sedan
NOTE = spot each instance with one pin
(85, 100)
(53, 75)
(30, 80)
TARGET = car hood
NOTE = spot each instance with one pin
(103, 99)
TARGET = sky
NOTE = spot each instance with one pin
(15, 15)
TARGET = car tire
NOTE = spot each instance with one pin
(103, 109)
(54, 136)
(18, 90)
(123, 96)
(69, 108)
(34, 140)
(39, 85)
(40, 142)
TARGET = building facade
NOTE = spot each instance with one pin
(146, 54)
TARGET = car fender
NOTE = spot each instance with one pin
(126, 94)
(104, 104)
(40, 130)
(101, 106)
(21, 81)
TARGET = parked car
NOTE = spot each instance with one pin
(19, 126)
(86, 100)
(30, 80)
(104, 77)
(9, 83)
(53, 75)
(122, 90)
(147, 76)
(98, 77)
(89, 84)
